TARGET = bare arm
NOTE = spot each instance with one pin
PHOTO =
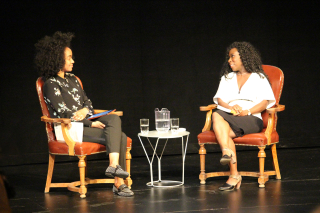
(236, 108)
(224, 104)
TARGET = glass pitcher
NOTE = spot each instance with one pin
(162, 120)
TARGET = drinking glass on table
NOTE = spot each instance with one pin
(144, 126)
(174, 125)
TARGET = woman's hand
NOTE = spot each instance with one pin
(80, 114)
(237, 109)
(98, 124)
(243, 113)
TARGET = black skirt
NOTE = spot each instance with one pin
(242, 125)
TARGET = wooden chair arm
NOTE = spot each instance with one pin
(56, 120)
(271, 120)
(277, 108)
(209, 109)
(65, 131)
(119, 113)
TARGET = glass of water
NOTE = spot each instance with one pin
(174, 125)
(144, 126)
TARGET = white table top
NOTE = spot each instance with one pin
(169, 134)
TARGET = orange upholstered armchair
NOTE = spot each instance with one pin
(267, 137)
(71, 148)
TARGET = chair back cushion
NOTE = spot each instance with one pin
(276, 79)
(45, 111)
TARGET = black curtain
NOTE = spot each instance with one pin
(136, 56)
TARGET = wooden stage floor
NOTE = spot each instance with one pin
(298, 191)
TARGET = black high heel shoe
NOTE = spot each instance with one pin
(225, 159)
(229, 187)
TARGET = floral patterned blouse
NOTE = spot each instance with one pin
(65, 96)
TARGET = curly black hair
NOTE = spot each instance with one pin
(49, 59)
(250, 58)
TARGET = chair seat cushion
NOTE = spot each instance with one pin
(84, 148)
(255, 139)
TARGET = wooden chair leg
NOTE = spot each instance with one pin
(275, 161)
(86, 168)
(128, 180)
(82, 167)
(202, 153)
(50, 172)
(261, 155)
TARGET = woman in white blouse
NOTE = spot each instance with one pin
(244, 92)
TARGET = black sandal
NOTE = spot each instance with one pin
(123, 190)
(229, 187)
(226, 158)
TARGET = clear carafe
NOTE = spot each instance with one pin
(162, 120)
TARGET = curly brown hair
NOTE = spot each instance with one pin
(250, 58)
(49, 59)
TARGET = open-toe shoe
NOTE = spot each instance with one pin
(225, 159)
(229, 187)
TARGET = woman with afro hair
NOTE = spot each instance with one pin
(244, 92)
(65, 98)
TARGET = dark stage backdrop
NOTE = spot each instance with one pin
(136, 56)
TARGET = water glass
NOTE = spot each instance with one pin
(144, 126)
(174, 125)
